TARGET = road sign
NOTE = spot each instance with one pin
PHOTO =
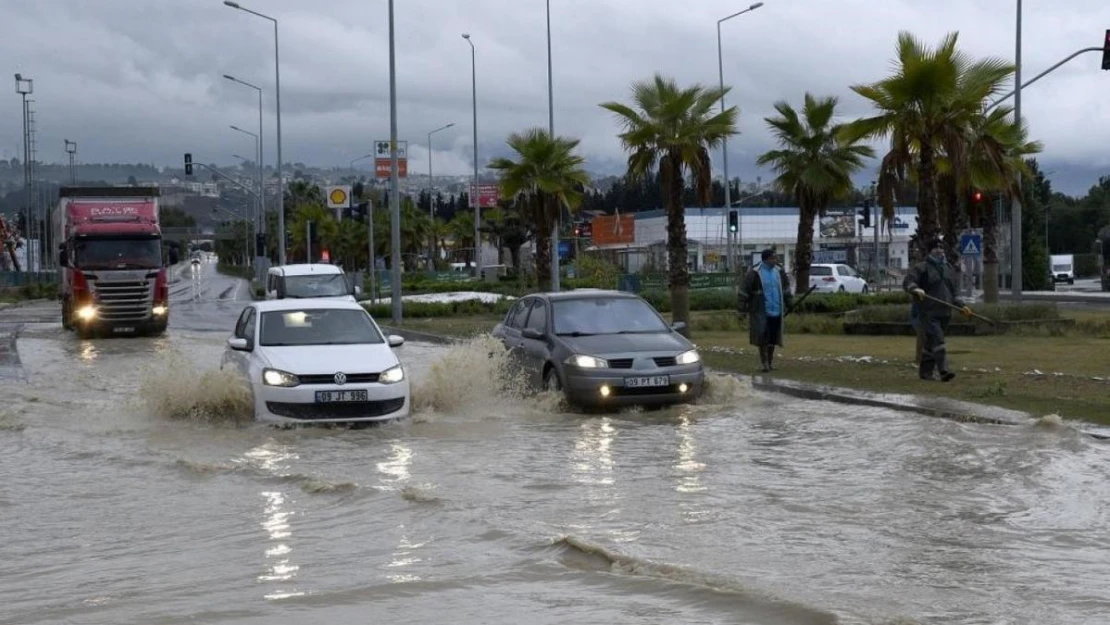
(339, 196)
(383, 166)
(971, 244)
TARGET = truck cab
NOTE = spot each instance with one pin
(310, 280)
(113, 276)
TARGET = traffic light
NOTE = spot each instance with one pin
(259, 244)
(188, 164)
(1106, 51)
(312, 231)
(865, 212)
(733, 221)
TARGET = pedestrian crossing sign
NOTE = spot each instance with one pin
(971, 245)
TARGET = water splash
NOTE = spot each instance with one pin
(468, 376)
(722, 389)
(176, 389)
(419, 493)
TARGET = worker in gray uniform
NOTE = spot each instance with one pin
(933, 285)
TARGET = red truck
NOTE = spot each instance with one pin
(110, 251)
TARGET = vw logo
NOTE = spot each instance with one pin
(341, 378)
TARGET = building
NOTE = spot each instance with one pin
(638, 241)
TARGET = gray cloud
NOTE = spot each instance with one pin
(141, 81)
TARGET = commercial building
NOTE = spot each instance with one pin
(638, 241)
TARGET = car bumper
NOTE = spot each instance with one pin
(584, 386)
(827, 287)
(385, 402)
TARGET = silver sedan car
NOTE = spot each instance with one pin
(602, 349)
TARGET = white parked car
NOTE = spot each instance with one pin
(836, 278)
(318, 361)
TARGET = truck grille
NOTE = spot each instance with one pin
(123, 300)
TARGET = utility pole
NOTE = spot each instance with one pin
(71, 149)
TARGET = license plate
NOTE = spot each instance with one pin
(329, 397)
(123, 329)
(646, 382)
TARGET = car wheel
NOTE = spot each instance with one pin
(551, 381)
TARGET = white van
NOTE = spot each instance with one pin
(308, 281)
(1063, 268)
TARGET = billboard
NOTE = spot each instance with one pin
(613, 229)
(383, 167)
(339, 196)
(487, 195)
(833, 226)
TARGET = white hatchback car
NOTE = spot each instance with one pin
(836, 278)
(318, 361)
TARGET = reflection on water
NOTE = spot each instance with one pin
(395, 470)
(592, 456)
(687, 466)
(276, 523)
(404, 556)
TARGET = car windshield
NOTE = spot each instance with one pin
(606, 315)
(319, 326)
(317, 285)
(1061, 267)
(117, 253)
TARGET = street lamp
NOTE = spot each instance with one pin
(475, 200)
(551, 131)
(394, 193)
(1015, 215)
(25, 87)
(71, 149)
(431, 185)
(277, 97)
(257, 148)
(724, 141)
(262, 226)
(351, 165)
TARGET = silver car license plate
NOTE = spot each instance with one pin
(647, 382)
(330, 397)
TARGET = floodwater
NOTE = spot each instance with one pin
(135, 493)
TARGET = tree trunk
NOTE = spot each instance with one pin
(676, 247)
(928, 226)
(990, 255)
(543, 250)
(803, 251)
(514, 256)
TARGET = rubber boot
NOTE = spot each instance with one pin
(770, 357)
(764, 363)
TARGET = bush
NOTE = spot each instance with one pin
(424, 310)
(996, 312)
(39, 290)
(237, 271)
(1086, 265)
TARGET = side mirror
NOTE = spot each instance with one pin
(678, 326)
(532, 333)
(238, 344)
(358, 290)
(63, 260)
(396, 341)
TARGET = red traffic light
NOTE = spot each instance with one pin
(977, 196)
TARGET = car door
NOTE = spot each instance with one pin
(853, 283)
(535, 348)
(509, 332)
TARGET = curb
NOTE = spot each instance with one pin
(939, 407)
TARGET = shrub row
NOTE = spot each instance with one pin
(996, 312)
(424, 310)
(816, 303)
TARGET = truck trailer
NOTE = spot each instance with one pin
(113, 276)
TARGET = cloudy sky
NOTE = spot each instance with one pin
(140, 80)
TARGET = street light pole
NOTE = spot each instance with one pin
(257, 148)
(555, 273)
(1015, 215)
(724, 142)
(262, 226)
(431, 196)
(25, 87)
(394, 194)
(475, 200)
(277, 97)
(71, 149)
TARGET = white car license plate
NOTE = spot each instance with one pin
(647, 382)
(123, 329)
(329, 397)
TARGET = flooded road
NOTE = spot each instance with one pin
(132, 494)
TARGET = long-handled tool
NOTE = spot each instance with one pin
(958, 309)
(800, 300)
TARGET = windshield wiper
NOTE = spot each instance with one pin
(576, 334)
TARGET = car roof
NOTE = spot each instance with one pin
(306, 303)
(304, 269)
(584, 294)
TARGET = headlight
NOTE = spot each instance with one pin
(86, 312)
(392, 375)
(688, 358)
(159, 310)
(275, 377)
(587, 362)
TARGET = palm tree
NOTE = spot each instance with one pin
(547, 177)
(996, 150)
(672, 130)
(929, 102)
(814, 165)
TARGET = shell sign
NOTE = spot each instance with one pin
(339, 196)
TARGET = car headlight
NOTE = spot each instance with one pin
(86, 312)
(276, 377)
(688, 358)
(159, 310)
(587, 362)
(392, 375)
